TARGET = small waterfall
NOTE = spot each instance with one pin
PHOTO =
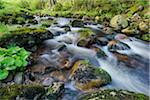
(138, 47)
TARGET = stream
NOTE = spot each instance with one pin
(131, 74)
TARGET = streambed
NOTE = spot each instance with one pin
(125, 59)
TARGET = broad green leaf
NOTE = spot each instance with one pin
(18, 63)
(10, 67)
(8, 61)
(24, 63)
(13, 50)
(3, 74)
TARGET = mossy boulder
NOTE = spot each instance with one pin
(29, 38)
(77, 23)
(145, 37)
(118, 22)
(55, 90)
(87, 77)
(23, 91)
(47, 23)
(143, 26)
(113, 95)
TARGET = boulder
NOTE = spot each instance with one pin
(118, 22)
(115, 45)
(143, 27)
(87, 77)
(77, 23)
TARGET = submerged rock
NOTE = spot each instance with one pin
(77, 23)
(113, 95)
(88, 77)
(117, 45)
(118, 22)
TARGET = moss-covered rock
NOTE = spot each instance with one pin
(77, 23)
(47, 23)
(118, 22)
(87, 77)
(25, 91)
(146, 37)
(113, 95)
(55, 91)
(29, 38)
(143, 26)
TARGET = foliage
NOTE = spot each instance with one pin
(11, 59)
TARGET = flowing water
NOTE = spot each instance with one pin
(124, 76)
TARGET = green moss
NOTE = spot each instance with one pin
(85, 33)
(29, 38)
(113, 95)
(146, 37)
(47, 23)
(27, 91)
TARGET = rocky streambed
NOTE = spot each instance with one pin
(79, 60)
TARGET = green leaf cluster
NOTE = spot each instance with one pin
(11, 59)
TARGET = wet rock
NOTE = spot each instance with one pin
(48, 81)
(118, 22)
(120, 37)
(69, 94)
(132, 61)
(55, 91)
(85, 33)
(18, 79)
(108, 30)
(66, 28)
(59, 75)
(102, 41)
(112, 95)
(99, 52)
(24, 91)
(29, 38)
(88, 77)
(128, 31)
(143, 27)
(77, 23)
(117, 45)
(47, 23)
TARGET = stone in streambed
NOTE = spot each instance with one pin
(115, 45)
(77, 23)
(88, 77)
(18, 79)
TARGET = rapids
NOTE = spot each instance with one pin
(123, 76)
